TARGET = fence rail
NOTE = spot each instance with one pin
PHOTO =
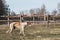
(9, 19)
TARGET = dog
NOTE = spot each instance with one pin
(19, 25)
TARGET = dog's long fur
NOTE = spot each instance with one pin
(19, 25)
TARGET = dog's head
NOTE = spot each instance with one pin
(28, 23)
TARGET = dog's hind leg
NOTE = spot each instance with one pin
(10, 29)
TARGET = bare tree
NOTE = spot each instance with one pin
(43, 11)
(13, 13)
(54, 12)
(31, 11)
(37, 10)
(58, 8)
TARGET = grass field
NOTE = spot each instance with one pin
(35, 32)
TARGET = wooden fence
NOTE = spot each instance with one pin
(45, 21)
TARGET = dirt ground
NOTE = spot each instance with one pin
(35, 32)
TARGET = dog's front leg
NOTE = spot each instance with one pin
(22, 30)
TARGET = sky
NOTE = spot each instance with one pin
(18, 5)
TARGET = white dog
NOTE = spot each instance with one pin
(19, 25)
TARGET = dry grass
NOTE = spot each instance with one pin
(35, 32)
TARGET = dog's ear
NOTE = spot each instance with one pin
(28, 23)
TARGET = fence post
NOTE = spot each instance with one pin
(54, 20)
(20, 17)
(44, 17)
(47, 25)
(8, 18)
(33, 19)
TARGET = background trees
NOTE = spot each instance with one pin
(3, 8)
